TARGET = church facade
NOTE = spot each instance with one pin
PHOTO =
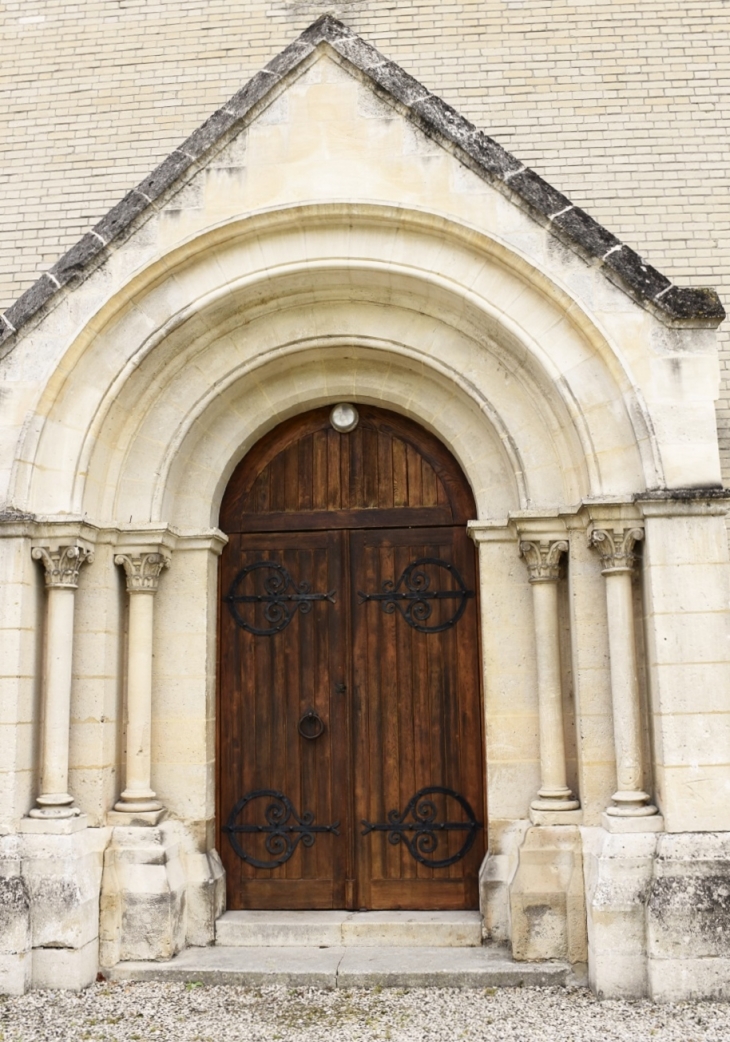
(355, 479)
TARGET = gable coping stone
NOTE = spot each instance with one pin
(673, 305)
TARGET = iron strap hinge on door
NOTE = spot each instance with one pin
(412, 595)
(284, 829)
(281, 597)
(421, 834)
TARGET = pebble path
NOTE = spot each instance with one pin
(168, 1012)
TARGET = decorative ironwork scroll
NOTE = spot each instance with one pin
(413, 597)
(282, 597)
(421, 834)
(284, 828)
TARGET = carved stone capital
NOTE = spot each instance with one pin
(62, 565)
(616, 545)
(143, 570)
(542, 558)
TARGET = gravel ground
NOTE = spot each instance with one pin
(194, 1013)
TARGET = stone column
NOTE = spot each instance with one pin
(62, 567)
(543, 562)
(143, 570)
(616, 546)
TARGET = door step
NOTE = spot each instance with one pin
(489, 966)
(349, 930)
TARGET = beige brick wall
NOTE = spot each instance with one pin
(623, 105)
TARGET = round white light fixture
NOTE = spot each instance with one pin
(344, 417)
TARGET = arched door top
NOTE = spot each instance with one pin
(387, 472)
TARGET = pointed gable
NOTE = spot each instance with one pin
(472, 147)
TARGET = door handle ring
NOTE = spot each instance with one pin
(311, 725)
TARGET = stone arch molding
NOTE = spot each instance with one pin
(203, 350)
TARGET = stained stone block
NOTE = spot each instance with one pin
(547, 901)
(15, 936)
(618, 873)
(143, 895)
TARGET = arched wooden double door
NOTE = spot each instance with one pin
(350, 759)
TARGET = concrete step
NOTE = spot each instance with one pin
(349, 929)
(352, 967)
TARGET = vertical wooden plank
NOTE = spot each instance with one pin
(414, 474)
(306, 491)
(334, 491)
(290, 492)
(400, 473)
(429, 484)
(319, 470)
(385, 470)
(370, 467)
(356, 476)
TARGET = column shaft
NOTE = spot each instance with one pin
(62, 566)
(552, 738)
(616, 547)
(139, 702)
(57, 698)
(142, 568)
(542, 557)
(624, 682)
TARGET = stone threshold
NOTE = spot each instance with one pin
(333, 929)
(349, 967)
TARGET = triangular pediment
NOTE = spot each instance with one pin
(472, 148)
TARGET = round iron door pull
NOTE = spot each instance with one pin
(311, 725)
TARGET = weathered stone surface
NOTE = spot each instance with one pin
(689, 902)
(541, 197)
(435, 115)
(490, 155)
(73, 263)
(618, 872)
(209, 133)
(143, 899)
(392, 929)
(692, 303)
(547, 900)
(15, 935)
(165, 175)
(579, 228)
(205, 895)
(496, 874)
(349, 968)
(643, 280)
(121, 216)
(32, 301)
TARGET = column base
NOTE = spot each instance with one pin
(54, 807)
(555, 803)
(124, 814)
(631, 804)
(556, 817)
(632, 823)
(57, 826)
(138, 802)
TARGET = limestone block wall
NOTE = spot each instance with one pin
(620, 105)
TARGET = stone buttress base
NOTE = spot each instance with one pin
(649, 912)
(74, 899)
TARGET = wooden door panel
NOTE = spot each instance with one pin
(280, 659)
(392, 672)
(417, 715)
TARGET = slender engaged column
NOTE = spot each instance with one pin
(616, 549)
(543, 562)
(143, 572)
(62, 567)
